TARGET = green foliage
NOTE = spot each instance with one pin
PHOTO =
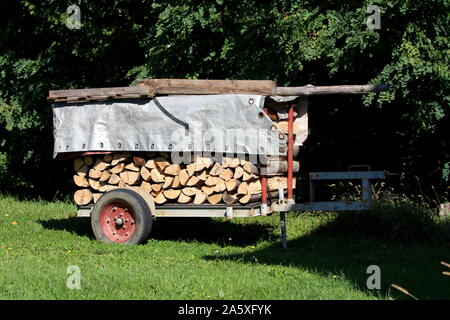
(292, 42)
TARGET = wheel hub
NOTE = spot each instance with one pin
(117, 221)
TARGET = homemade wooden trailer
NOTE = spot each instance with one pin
(190, 148)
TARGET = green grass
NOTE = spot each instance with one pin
(239, 259)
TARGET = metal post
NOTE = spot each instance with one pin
(263, 194)
(366, 194)
(283, 230)
(312, 191)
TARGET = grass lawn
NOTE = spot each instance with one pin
(327, 258)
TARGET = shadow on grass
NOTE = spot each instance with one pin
(207, 230)
(406, 244)
(75, 225)
(408, 252)
(183, 229)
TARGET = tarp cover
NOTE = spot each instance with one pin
(229, 123)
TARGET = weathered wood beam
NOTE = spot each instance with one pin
(147, 88)
(311, 90)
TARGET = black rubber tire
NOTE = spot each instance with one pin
(140, 209)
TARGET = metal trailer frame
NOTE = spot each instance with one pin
(281, 205)
(267, 206)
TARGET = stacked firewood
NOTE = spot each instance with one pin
(204, 180)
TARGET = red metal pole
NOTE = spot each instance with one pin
(263, 189)
(290, 153)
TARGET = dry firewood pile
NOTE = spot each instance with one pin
(203, 181)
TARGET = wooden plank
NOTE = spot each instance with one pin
(186, 86)
(100, 93)
(147, 88)
(310, 90)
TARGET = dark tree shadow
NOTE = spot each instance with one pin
(350, 244)
(75, 225)
(206, 230)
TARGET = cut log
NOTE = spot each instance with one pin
(283, 126)
(215, 198)
(122, 184)
(124, 176)
(232, 184)
(193, 181)
(103, 187)
(120, 157)
(172, 193)
(226, 174)
(145, 173)
(190, 169)
(202, 175)
(200, 197)
(100, 165)
(208, 190)
(96, 196)
(78, 163)
(173, 169)
(161, 163)
(176, 182)
(182, 198)
(243, 188)
(207, 162)
(245, 199)
(108, 158)
(238, 172)
(95, 184)
(212, 181)
(94, 174)
(146, 186)
(114, 179)
(159, 197)
(274, 167)
(234, 163)
(275, 183)
(132, 167)
(139, 161)
(226, 161)
(249, 176)
(229, 198)
(250, 167)
(105, 176)
(88, 160)
(133, 178)
(150, 164)
(216, 170)
(220, 185)
(80, 181)
(168, 180)
(254, 187)
(118, 168)
(189, 191)
(83, 197)
(183, 177)
(156, 176)
(83, 170)
(157, 187)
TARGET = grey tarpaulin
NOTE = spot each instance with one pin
(230, 123)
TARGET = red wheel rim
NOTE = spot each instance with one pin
(117, 221)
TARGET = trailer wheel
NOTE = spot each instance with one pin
(121, 216)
